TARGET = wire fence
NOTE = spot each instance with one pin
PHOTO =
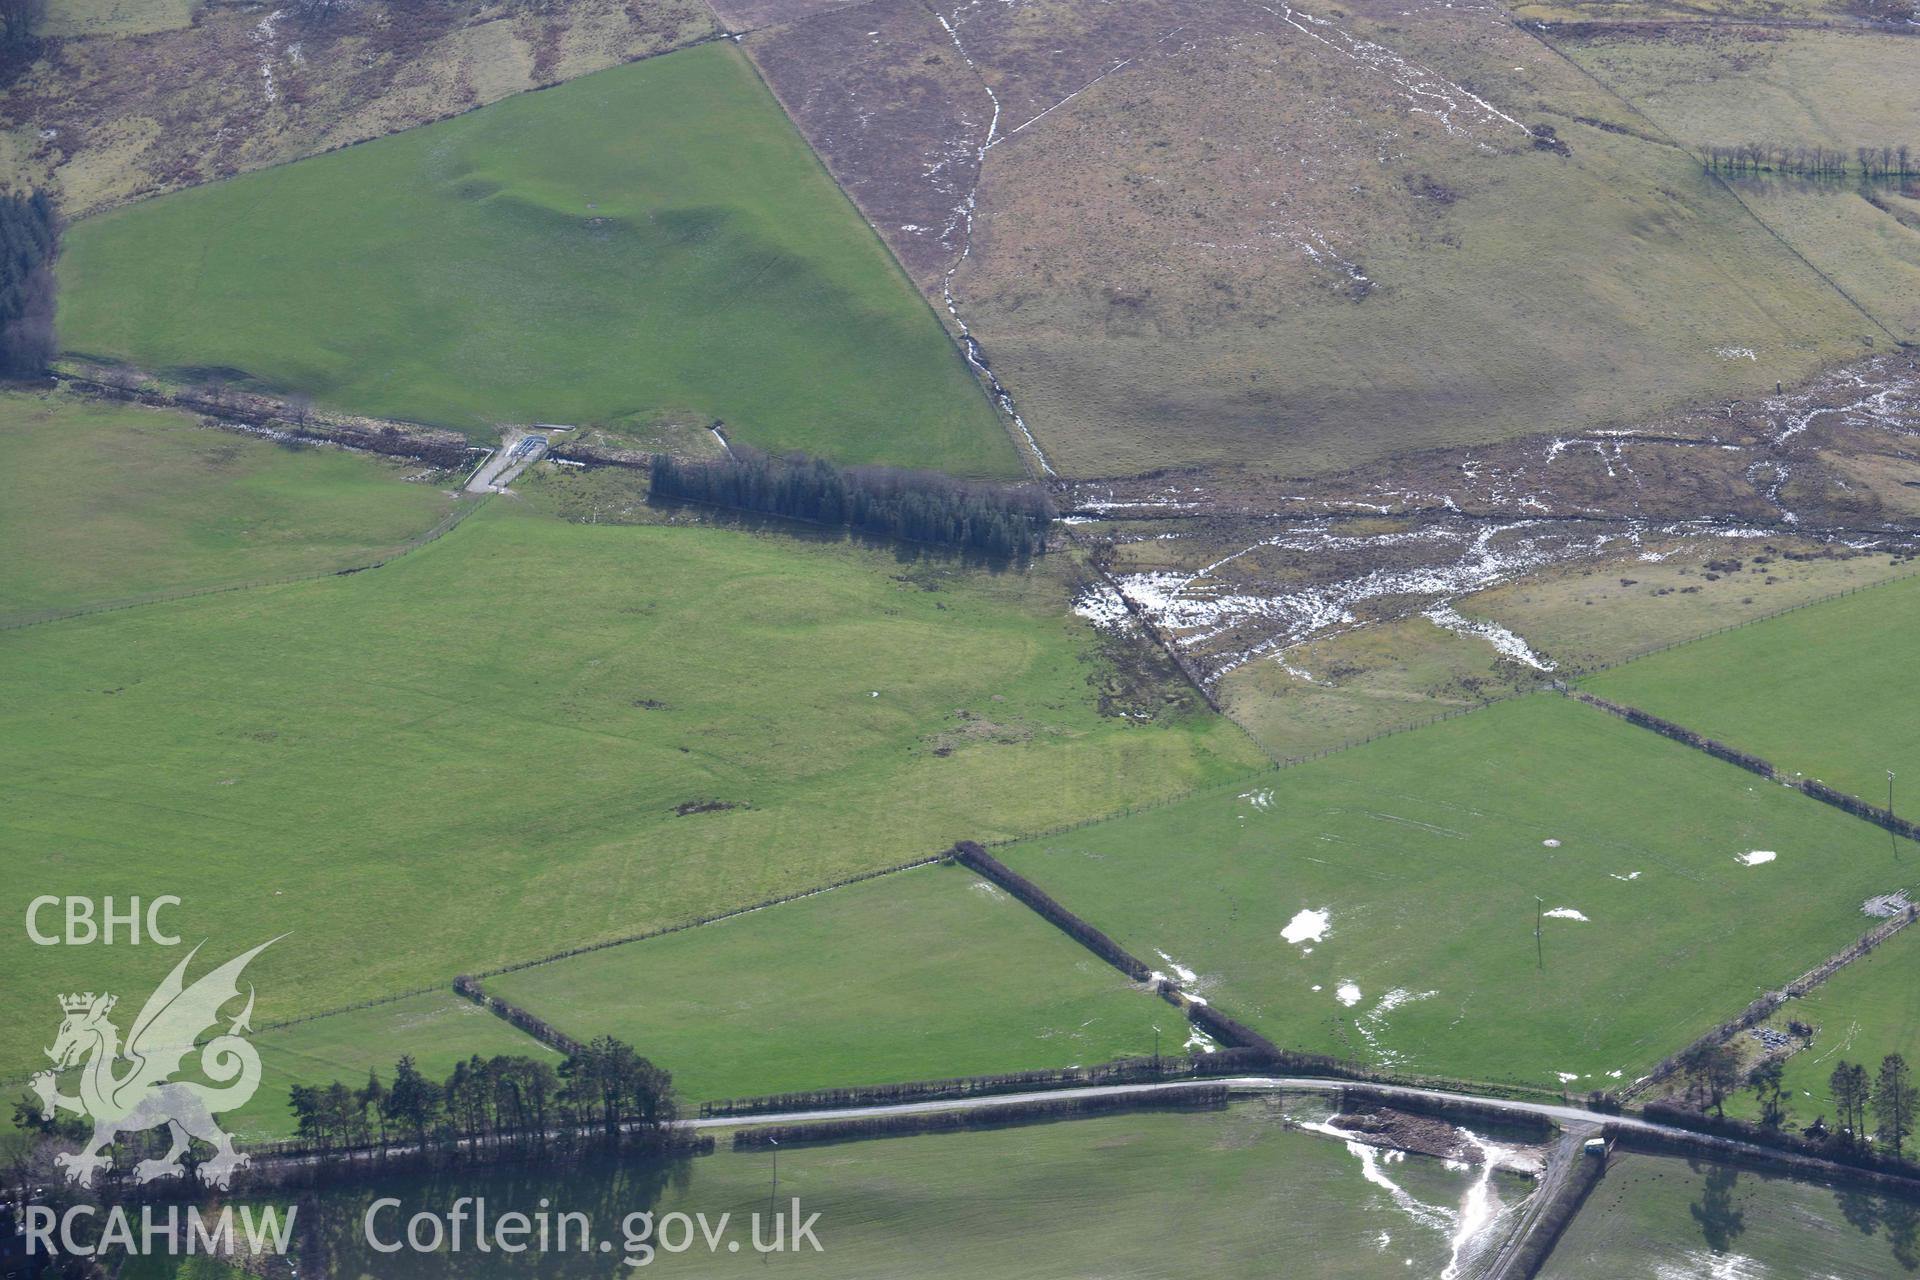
(1582, 673)
(1283, 762)
(698, 921)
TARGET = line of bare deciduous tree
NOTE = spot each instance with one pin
(1805, 161)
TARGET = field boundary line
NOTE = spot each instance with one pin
(440, 528)
(1540, 33)
(1812, 788)
(1813, 978)
(718, 33)
(1021, 454)
(698, 921)
(1281, 762)
(1255, 776)
(1204, 1015)
(1767, 1005)
(1582, 673)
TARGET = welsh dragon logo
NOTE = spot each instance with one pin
(130, 1088)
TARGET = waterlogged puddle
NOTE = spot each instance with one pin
(1703, 1264)
(1466, 1226)
(1756, 857)
(1186, 979)
(1180, 971)
(1373, 1024)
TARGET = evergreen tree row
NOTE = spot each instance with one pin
(919, 506)
(604, 1083)
(27, 239)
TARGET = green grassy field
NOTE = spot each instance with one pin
(1824, 691)
(105, 502)
(651, 242)
(1427, 849)
(1654, 1218)
(1869, 1009)
(1073, 1198)
(922, 975)
(480, 753)
(438, 1030)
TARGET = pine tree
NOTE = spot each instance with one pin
(1893, 1103)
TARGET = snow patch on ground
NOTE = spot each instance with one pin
(1504, 642)
(1308, 925)
(1757, 857)
(1565, 913)
(1101, 605)
(1348, 994)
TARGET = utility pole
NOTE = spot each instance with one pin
(1539, 947)
(1893, 835)
(1156, 1048)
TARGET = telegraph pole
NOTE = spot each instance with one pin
(1539, 947)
